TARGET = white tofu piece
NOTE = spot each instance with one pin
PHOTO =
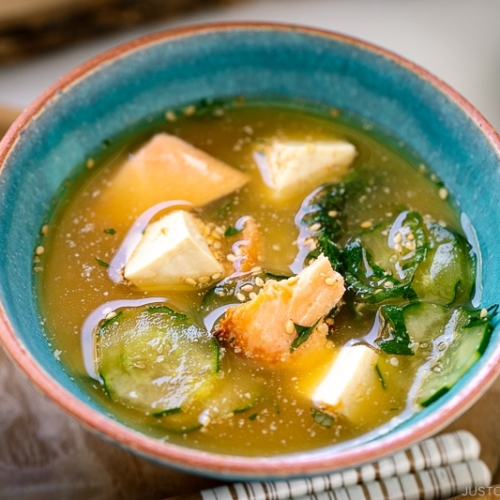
(173, 253)
(294, 165)
(347, 381)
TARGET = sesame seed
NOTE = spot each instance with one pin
(256, 269)
(45, 229)
(333, 213)
(315, 227)
(366, 224)
(190, 281)
(241, 297)
(247, 288)
(394, 361)
(90, 163)
(398, 247)
(189, 111)
(410, 245)
(398, 237)
(170, 116)
(483, 313)
(203, 280)
(259, 281)
(293, 280)
(388, 284)
(231, 257)
(443, 193)
(39, 250)
(289, 327)
(330, 281)
(252, 295)
(216, 276)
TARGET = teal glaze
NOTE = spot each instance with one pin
(117, 91)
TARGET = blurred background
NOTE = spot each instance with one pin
(457, 40)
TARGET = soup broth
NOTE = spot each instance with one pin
(253, 405)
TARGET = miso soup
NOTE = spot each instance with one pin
(259, 278)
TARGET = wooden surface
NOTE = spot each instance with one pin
(45, 455)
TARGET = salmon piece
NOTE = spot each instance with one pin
(262, 328)
(248, 248)
(168, 168)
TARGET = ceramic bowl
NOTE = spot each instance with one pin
(126, 85)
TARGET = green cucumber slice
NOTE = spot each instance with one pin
(425, 322)
(155, 360)
(446, 275)
(467, 335)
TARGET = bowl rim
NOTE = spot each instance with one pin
(215, 464)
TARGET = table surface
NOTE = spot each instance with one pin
(43, 453)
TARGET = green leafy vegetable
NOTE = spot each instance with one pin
(231, 231)
(304, 332)
(394, 338)
(102, 263)
(322, 418)
(110, 231)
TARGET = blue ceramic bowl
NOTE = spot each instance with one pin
(125, 86)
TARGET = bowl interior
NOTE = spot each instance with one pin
(115, 92)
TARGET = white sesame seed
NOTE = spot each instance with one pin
(39, 250)
(216, 276)
(289, 327)
(190, 281)
(366, 224)
(170, 116)
(330, 281)
(241, 297)
(332, 213)
(315, 227)
(231, 257)
(252, 295)
(259, 281)
(483, 313)
(190, 110)
(398, 237)
(247, 288)
(443, 193)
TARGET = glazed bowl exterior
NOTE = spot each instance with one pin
(125, 86)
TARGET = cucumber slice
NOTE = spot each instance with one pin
(235, 390)
(468, 332)
(425, 322)
(155, 360)
(446, 275)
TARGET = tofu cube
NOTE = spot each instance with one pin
(293, 165)
(173, 254)
(350, 377)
